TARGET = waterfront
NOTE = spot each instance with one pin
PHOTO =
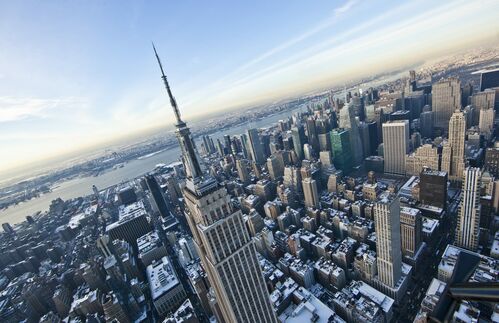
(83, 186)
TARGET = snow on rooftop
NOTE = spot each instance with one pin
(148, 241)
(383, 301)
(310, 309)
(161, 277)
(429, 225)
(409, 210)
(436, 287)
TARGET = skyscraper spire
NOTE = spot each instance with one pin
(173, 102)
(190, 156)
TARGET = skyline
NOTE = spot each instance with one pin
(51, 98)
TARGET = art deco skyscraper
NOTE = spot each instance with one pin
(311, 193)
(387, 225)
(222, 241)
(445, 99)
(395, 145)
(457, 131)
(469, 211)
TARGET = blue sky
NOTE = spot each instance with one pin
(73, 74)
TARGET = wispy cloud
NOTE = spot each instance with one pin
(299, 38)
(14, 109)
(420, 35)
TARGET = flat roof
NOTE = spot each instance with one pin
(148, 241)
(161, 277)
(310, 309)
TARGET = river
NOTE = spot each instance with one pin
(132, 169)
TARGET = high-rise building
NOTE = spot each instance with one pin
(312, 134)
(358, 106)
(445, 99)
(298, 135)
(275, 167)
(492, 161)
(114, 310)
(325, 158)
(132, 224)
(426, 124)
(395, 145)
(245, 146)
(372, 129)
(292, 179)
(173, 189)
(484, 100)
(324, 141)
(457, 132)
(489, 79)
(208, 144)
(348, 121)
(468, 222)
(341, 149)
(222, 241)
(256, 148)
(486, 123)
(243, 170)
(311, 193)
(410, 230)
(159, 202)
(433, 188)
(424, 156)
(387, 224)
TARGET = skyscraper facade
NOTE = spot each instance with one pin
(410, 230)
(255, 146)
(395, 145)
(426, 124)
(387, 225)
(298, 135)
(311, 193)
(433, 188)
(468, 222)
(424, 156)
(484, 100)
(445, 99)
(227, 253)
(348, 121)
(457, 131)
(486, 123)
(158, 197)
(341, 149)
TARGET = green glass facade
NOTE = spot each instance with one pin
(341, 149)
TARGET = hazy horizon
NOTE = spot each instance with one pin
(103, 86)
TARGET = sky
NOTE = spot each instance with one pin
(77, 73)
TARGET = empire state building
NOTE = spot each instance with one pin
(226, 250)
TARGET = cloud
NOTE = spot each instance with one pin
(401, 40)
(14, 109)
(295, 40)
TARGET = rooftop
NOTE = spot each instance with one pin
(161, 277)
(148, 242)
(409, 210)
(429, 225)
(487, 270)
(309, 309)
(127, 213)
